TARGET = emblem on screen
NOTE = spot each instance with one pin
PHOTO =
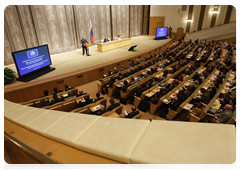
(32, 53)
(161, 29)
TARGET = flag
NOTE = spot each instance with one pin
(91, 33)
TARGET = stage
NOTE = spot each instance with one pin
(74, 60)
(74, 69)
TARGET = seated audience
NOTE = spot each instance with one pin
(205, 97)
(70, 96)
(85, 101)
(98, 97)
(80, 93)
(56, 99)
(113, 104)
(128, 114)
(196, 111)
(232, 93)
(55, 89)
(101, 111)
(68, 88)
(225, 100)
(43, 103)
(223, 116)
(125, 86)
(45, 93)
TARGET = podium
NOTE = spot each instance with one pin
(179, 34)
(87, 45)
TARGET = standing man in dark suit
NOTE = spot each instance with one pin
(170, 32)
(106, 39)
(84, 42)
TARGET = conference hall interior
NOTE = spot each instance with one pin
(120, 84)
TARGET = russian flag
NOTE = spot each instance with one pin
(91, 33)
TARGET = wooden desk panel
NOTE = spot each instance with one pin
(113, 44)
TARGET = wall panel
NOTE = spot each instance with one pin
(207, 17)
(221, 15)
(233, 15)
(195, 17)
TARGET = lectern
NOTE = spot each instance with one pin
(87, 45)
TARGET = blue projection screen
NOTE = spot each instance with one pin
(161, 32)
(32, 59)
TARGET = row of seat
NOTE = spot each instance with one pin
(138, 100)
(154, 107)
(47, 99)
(132, 88)
(210, 104)
(142, 83)
(194, 118)
(101, 84)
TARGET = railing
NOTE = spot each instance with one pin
(35, 156)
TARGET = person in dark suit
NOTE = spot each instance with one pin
(213, 90)
(137, 93)
(85, 102)
(56, 99)
(225, 100)
(181, 96)
(174, 104)
(55, 89)
(113, 104)
(130, 114)
(228, 62)
(106, 39)
(80, 93)
(155, 99)
(68, 88)
(43, 103)
(45, 93)
(205, 97)
(125, 86)
(98, 97)
(84, 42)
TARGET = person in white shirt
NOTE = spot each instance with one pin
(118, 37)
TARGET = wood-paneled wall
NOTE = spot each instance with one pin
(154, 23)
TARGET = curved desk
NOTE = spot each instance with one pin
(113, 44)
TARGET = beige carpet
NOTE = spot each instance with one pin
(74, 60)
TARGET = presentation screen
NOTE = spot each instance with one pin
(31, 59)
(161, 32)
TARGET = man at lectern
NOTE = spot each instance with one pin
(106, 39)
(84, 42)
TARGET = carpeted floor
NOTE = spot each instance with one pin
(74, 60)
